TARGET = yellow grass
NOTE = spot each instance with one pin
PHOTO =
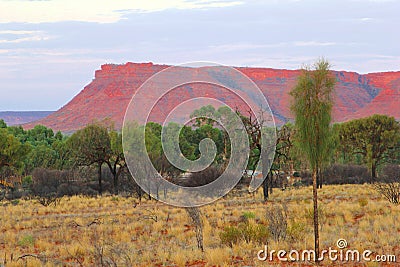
(79, 231)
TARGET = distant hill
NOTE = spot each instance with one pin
(22, 117)
(110, 92)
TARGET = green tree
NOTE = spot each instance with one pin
(206, 131)
(40, 156)
(155, 150)
(18, 132)
(90, 146)
(202, 115)
(188, 144)
(12, 151)
(62, 151)
(224, 114)
(3, 124)
(376, 139)
(312, 105)
(40, 134)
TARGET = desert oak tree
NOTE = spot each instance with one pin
(91, 145)
(312, 105)
(375, 138)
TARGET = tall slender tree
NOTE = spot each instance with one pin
(312, 106)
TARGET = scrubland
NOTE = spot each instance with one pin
(120, 231)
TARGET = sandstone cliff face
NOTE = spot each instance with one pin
(387, 101)
(110, 92)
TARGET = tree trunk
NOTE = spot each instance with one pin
(316, 224)
(265, 172)
(115, 173)
(99, 176)
(195, 214)
(270, 180)
(265, 188)
(373, 171)
(115, 180)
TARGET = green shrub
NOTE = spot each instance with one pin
(26, 241)
(231, 235)
(363, 202)
(27, 180)
(261, 234)
(249, 215)
(296, 231)
(246, 232)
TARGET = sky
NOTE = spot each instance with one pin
(50, 49)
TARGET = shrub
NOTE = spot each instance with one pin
(49, 199)
(27, 180)
(26, 241)
(246, 232)
(346, 174)
(296, 231)
(261, 234)
(277, 222)
(363, 202)
(249, 215)
(45, 182)
(203, 177)
(231, 235)
(389, 186)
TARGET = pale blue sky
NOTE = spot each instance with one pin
(50, 49)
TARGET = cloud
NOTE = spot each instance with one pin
(101, 11)
(27, 36)
(313, 43)
(25, 39)
(245, 46)
(250, 46)
(366, 19)
(18, 32)
(57, 52)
